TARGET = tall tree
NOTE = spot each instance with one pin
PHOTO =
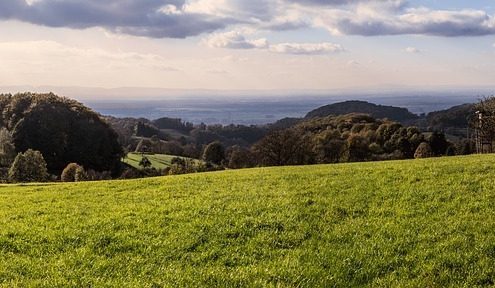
(63, 130)
(7, 148)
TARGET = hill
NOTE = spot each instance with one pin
(375, 111)
(454, 117)
(419, 223)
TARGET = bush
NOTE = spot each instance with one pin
(81, 174)
(131, 173)
(29, 166)
(423, 151)
(69, 173)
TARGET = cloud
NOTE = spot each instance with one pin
(151, 18)
(412, 50)
(306, 48)
(334, 2)
(386, 19)
(234, 40)
(244, 11)
(184, 18)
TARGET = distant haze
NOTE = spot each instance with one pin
(252, 107)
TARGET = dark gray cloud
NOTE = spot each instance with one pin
(174, 19)
(136, 17)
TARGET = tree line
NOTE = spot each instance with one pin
(46, 137)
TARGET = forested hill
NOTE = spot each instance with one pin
(454, 117)
(374, 110)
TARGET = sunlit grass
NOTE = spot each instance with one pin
(419, 223)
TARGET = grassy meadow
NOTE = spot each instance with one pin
(158, 161)
(419, 223)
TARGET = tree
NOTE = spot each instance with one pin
(214, 153)
(69, 173)
(7, 148)
(438, 143)
(423, 151)
(284, 147)
(29, 166)
(484, 122)
(239, 157)
(329, 147)
(63, 130)
(358, 148)
(145, 162)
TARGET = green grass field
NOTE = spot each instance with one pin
(420, 223)
(158, 161)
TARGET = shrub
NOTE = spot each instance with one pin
(29, 166)
(450, 151)
(81, 174)
(69, 173)
(423, 151)
(131, 173)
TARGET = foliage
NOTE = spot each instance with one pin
(455, 117)
(375, 111)
(173, 123)
(145, 162)
(81, 175)
(63, 130)
(283, 147)
(239, 157)
(29, 166)
(214, 153)
(423, 151)
(425, 223)
(438, 143)
(69, 173)
(7, 148)
(486, 110)
(147, 130)
(333, 139)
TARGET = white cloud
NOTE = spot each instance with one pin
(234, 40)
(306, 48)
(412, 50)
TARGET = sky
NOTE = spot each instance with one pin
(247, 44)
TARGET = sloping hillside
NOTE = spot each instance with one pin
(375, 111)
(419, 223)
(454, 117)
